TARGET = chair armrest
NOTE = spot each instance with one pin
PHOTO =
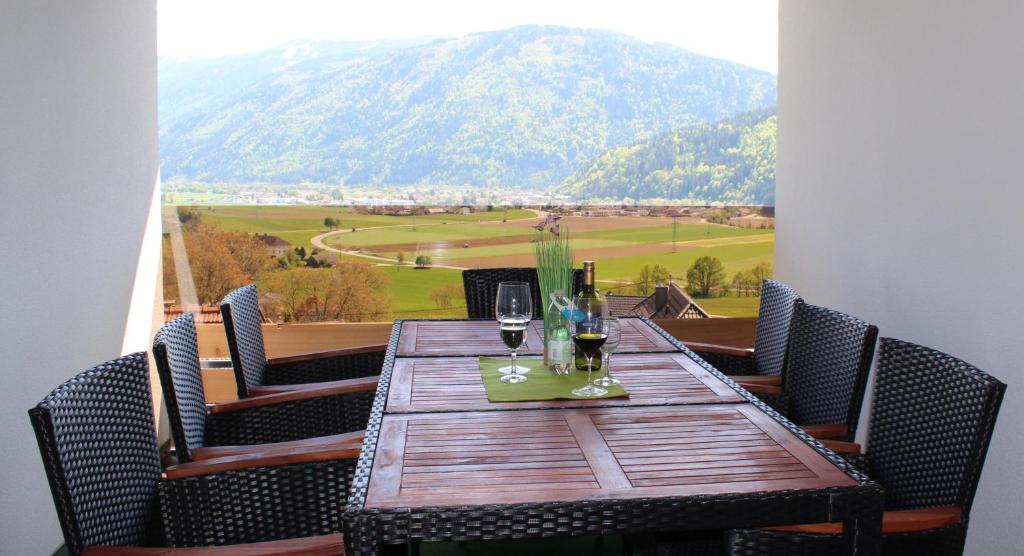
(761, 389)
(766, 380)
(324, 545)
(311, 356)
(251, 461)
(325, 389)
(898, 521)
(841, 447)
(827, 430)
(720, 349)
(347, 440)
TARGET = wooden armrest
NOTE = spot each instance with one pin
(723, 350)
(766, 380)
(324, 545)
(323, 389)
(761, 388)
(251, 461)
(347, 440)
(841, 447)
(312, 356)
(827, 430)
(898, 521)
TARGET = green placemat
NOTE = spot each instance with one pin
(541, 383)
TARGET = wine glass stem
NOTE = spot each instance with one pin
(607, 367)
(515, 370)
(590, 370)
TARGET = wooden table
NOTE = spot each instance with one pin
(688, 450)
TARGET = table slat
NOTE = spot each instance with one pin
(442, 459)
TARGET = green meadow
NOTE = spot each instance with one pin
(481, 239)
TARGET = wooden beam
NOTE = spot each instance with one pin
(735, 332)
(288, 339)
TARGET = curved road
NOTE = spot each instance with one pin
(318, 241)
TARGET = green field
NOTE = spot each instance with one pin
(298, 224)
(620, 249)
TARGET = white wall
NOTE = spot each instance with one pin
(900, 194)
(78, 171)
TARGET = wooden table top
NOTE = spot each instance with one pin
(480, 337)
(537, 456)
(431, 384)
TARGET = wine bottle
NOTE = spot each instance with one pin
(590, 308)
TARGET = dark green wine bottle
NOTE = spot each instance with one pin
(590, 305)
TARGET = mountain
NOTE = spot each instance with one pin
(524, 106)
(730, 161)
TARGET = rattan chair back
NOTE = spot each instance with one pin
(97, 436)
(177, 362)
(932, 419)
(827, 366)
(241, 312)
(481, 286)
(773, 319)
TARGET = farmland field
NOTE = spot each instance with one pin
(621, 245)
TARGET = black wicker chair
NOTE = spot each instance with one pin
(255, 375)
(481, 286)
(826, 372)
(97, 438)
(931, 424)
(767, 358)
(324, 416)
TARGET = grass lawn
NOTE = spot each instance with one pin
(731, 306)
(423, 233)
(733, 257)
(663, 233)
(298, 224)
(410, 292)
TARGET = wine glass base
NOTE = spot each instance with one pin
(513, 379)
(507, 369)
(607, 381)
(589, 391)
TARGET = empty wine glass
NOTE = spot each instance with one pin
(613, 329)
(513, 309)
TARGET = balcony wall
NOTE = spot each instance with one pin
(79, 164)
(899, 191)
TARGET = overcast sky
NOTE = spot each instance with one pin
(744, 31)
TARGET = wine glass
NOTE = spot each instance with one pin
(613, 330)
(513, 309)
(589, 336)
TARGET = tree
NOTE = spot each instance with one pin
(424, 261)
(761, 272)
(649, 278)
(706, 275)
(332, 223)
(222, 261)
(643, 282)
(400, 257)
(743, 283)
(350, 291)
(443, 296)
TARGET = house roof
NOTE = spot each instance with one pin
(678, 305)
(273, 241)
(622, 305)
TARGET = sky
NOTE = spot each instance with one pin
(743, 31)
